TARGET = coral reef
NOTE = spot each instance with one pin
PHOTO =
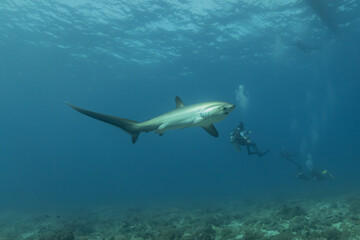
(57, 235)
(300, 219)
(354, 204)
(289, 212)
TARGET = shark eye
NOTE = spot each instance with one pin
(224, 108)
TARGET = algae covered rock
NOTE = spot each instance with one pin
(170, 234)
(207, 233)
(354, 204)
(58, 235)
(287, 212)
(334, 234)
(282, 236)
(252, 235)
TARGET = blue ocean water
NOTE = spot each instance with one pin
(291, 67)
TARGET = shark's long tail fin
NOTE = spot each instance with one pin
(127, 125)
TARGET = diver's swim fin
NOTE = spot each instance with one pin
(262, 154)
(325, 172)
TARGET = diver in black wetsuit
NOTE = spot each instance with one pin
(240, 137)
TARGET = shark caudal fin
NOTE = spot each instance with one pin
(129, 126)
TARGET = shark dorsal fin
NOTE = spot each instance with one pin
(179, 102)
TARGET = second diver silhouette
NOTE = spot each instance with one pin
(313, 173)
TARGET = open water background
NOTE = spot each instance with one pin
(131, 58)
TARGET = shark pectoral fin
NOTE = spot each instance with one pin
(134, 137)
(211, 130)
(179, 102)
(161, 129)
(160, 132)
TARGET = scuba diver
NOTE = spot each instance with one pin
(314, 174)
(290, 157)
(240, 137)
